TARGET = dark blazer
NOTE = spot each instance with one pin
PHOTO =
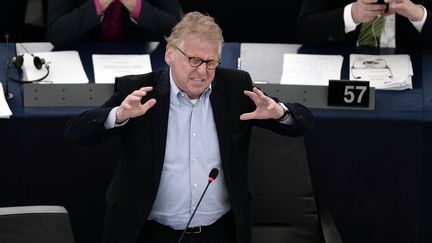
(76, 20)
(134, 186)
(321, 21)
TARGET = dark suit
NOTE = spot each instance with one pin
(321, 21)
(76, 20)
(135, 183)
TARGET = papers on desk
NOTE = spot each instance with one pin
(306, 69)
(5, 111)
(108, 67)
(64, 67)
(389, 72)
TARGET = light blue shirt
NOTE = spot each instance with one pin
(192, 150)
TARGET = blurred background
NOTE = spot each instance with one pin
(272, 21)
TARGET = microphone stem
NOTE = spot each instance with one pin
(190, 219)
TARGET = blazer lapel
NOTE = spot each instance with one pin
(160, 121)
(218, 99)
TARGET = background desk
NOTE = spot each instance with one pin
(365, 165)
(37, 165)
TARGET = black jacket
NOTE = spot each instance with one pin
(70, 21)
(321, 21)
(136, 180)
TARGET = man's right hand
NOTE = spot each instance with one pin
(131, 106)
(364, 11)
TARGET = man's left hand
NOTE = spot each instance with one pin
(266, 107)
(406, 8)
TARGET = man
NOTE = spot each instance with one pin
(175, 125)
(406, 23)
(71, 21)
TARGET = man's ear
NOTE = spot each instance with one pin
(168, 54)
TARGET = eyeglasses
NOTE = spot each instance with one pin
(196, 61)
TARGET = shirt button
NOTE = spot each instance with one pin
(194, 159)
(195, 185)
(194, 134)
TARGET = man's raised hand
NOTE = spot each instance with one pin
(131, 106)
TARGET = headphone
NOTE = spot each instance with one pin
(18, 62)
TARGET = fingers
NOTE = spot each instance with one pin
(368, 1)
(149, 104)
(132, 107)
(257, 96)
(247, 116)
(266, 107)
(366, 10)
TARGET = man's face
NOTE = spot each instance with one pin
(192, 80)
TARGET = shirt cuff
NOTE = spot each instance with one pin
(98, 8)
(348, 20)
(287, 120)
(135, 15)
(419, 24)
(110, 121)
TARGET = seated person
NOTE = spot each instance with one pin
(110, 20)
(405, 23)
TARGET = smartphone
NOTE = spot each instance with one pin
(382, 2)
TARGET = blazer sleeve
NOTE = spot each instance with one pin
(303, 121)
(159, 17)
(302, 117)
(425, 37)
(69, 20)
(321, 21)
(89, 126)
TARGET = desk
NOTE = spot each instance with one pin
(365, 165)
(39, 167)
(426, 206)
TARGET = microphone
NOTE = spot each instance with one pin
(212, 176)
(7, 94)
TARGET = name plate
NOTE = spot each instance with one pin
(348, 93)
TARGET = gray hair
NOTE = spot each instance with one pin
(198, 25)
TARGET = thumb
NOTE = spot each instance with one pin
(247, 116)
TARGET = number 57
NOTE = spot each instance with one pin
(349, 94)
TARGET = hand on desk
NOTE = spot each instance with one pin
(131, 106)
(266, 107)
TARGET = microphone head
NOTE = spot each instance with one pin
(18, 61)
(213, 174)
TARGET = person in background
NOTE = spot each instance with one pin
(175, 125)
(70, 21)
(404, 23)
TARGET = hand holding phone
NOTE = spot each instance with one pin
(382, 2)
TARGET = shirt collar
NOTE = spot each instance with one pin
(175, 92)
